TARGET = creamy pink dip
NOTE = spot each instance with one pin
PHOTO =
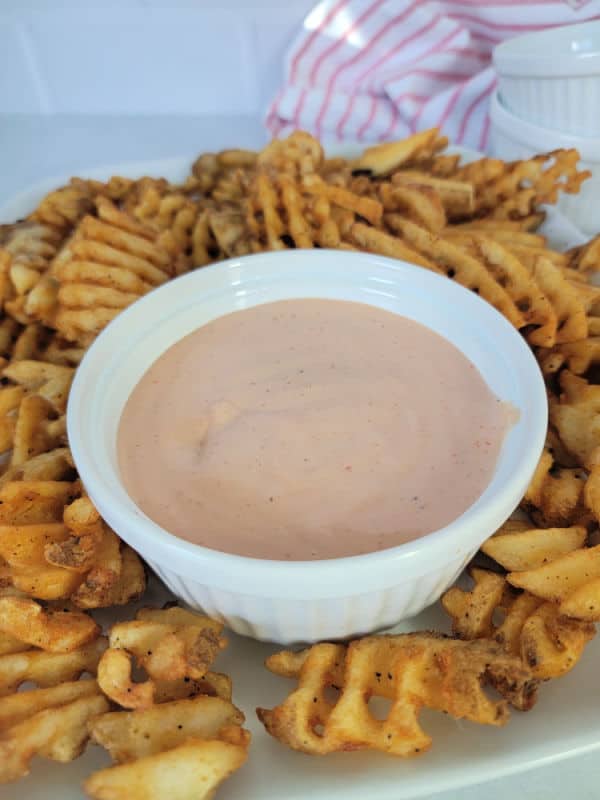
(309, 429)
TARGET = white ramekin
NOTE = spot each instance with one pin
(512, 138)
(304, 601)
(552, 77)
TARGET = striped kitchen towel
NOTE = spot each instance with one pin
(371, 70)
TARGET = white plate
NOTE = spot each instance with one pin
(565, 723)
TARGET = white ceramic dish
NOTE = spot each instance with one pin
(552, 77)
(305, 601)
(512, 138)
(565, 724)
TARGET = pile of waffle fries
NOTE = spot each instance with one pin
(92, 248)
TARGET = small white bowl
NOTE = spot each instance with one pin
(311, 600)
(552, 77)
(511, 138)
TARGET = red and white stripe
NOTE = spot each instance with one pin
(372, 70)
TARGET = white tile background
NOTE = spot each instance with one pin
(143, 57)
(91, 83)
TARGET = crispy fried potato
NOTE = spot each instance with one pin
(551, 644)
(51, 723)
(200, 766)
(536, 308)
(516, 189)
(365, 207)
(472, 611)
(584, 602)
(539, 633)
(376, 241)
(172, 711)
(114, 678)
(421, 204)
(131, 735)
(570, 311)
(532, 547)
(56, 631)
(172, 645)
(456, 263)
(381, 159)
(56, 465)
(413, 670)
(50, 381)
(48, 669)
(106, 264)
(25, 255)
(554, 497)
(79, 558)
(457, 197)
(10, 401)
(102, 589)
(299, 154)
(562, 576)
(576, 416)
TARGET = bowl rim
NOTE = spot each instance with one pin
(531, 55)
(144, 534)
(537, 137)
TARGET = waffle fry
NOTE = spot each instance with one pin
(106, 264)
(456, 197)
(49, 560)
(50, 648)
(169, 644)
(557, 580)
(570, 311)
(575, 416)
(587, 257)
(519, 187)
(299, 154)
(382, 159)
(10, 401)
(49, 381)
(196, 763)
(579, 357)
(30, 342)
(38, 429)
(364, 207)
(523, 289)
(63, 208)
(56, 465)
(162, 208)
(131, 735)
(51, 723)
(413, 670)
(220, 232)
(379, 242)
(419, 203)
(26, 253)
(472, 612)
(48, 669)
(516, 546)
(459, 265)
(539, 632)
(53, 630)
(554, 497)
(186, 722)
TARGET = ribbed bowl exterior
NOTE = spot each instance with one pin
(290, 621)
(569, 104)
